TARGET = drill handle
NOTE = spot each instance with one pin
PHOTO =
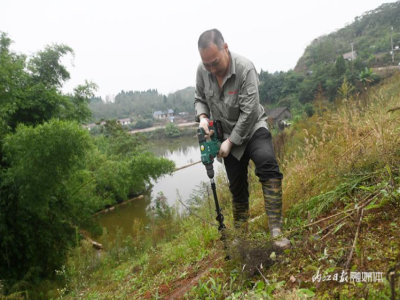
(201, 135)
(217, 127)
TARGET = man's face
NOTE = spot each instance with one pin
(215, 61)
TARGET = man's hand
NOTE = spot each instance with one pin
(204, 122)
(225, 148)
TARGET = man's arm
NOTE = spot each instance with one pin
(200, 103)
(249, 109)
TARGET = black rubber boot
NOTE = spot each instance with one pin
(272, 190)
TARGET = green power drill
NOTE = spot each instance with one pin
(209, 150)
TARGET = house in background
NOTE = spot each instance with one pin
(125, 121)
(278, 117)
(159, 115)
(163, 114)
(89, 126)
(350, 55)
(92, 125)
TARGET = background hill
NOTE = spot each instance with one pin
(371, 35)
(141, 103)
(321, 71)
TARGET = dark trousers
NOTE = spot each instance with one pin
(261, 151)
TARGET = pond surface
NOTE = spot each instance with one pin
(182, 183)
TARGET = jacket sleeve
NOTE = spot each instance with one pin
(200, 103)
(249, 109)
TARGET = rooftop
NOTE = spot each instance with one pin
(273, 113)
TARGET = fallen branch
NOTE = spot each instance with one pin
(393, 109)
(266, 280)
(346, 267)
(363, 203)
(340, 213)
(95, 244)
(334, 223)
(256, 218)
(330, 217)
(312, 254)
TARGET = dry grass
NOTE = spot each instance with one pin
(355, 138)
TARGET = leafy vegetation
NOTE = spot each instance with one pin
(53, 174)
(171, 130)
(140, 124)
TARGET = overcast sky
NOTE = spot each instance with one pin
(140, 45)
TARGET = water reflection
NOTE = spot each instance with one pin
(182, 151)
(180, 184)
(124, 216)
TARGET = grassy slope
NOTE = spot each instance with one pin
(337, 160)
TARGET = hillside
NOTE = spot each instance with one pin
(329, 60)
(341, 201)
(370, 35)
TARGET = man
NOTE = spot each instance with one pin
(227, 90)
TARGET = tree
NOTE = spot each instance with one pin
(53, 175)
(345, 90)
(366, 77)
(340, 66)
(172, 131)
(38, 204)
(309, 109)
(122, 167)
(141, 124)
(46, 67)
(34, 97)
(12, 81)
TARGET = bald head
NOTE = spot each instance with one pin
(210, 37)
(214, 53)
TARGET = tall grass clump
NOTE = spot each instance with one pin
(334, 152)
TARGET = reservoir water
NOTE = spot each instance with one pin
(183, 151)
